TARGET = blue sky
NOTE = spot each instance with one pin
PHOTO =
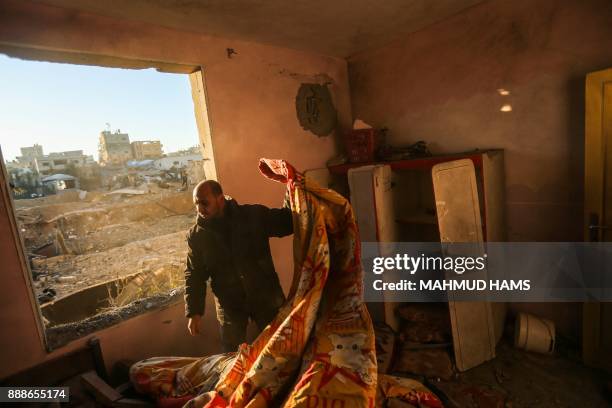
(64, 107)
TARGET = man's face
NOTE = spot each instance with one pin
(208, 205)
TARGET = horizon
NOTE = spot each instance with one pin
(64, 107)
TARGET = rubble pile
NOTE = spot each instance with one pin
(82, 220)
(116, 248)
(71, 273)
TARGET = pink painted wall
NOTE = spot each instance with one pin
(440, 85)
(251, 106)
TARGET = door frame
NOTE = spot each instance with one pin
(595, 147)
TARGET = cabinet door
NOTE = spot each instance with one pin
(458, 209)
(372, 201)
(385, 213)
(362, 200)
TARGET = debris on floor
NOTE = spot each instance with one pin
(425, 341)
(423, 349)
(517, 379)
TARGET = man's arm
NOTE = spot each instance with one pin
(279, 222)
(196, 275)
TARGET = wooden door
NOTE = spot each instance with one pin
(459, 221)
(597, 317)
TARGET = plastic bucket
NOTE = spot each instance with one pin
(533, 333)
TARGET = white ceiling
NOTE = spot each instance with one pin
(338, 28)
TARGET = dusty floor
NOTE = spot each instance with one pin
(516, 378)
(423, 350)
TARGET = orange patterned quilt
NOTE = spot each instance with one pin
(319, 350)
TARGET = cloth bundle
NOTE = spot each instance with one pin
(319, 350)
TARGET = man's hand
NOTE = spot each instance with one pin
(193, 325)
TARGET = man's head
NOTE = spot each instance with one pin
(208, 199)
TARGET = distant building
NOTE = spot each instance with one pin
(140, 164)
(33, 158)
(59, 182)
(60, 161)
(15, 165)
(114, 148)
(166, 163)
(195, 172)
(146, 149)
(32, 151)
(29, 155)
(186, 152)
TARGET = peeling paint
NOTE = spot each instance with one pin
(319, 78)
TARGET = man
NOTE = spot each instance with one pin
(229, 244)
(183, 179)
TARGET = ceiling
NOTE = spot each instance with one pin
(338, 28)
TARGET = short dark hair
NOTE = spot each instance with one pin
(213, 185)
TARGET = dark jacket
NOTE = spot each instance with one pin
(234, 253)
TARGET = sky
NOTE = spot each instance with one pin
(65, 107)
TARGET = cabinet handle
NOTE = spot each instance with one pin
(595, 227)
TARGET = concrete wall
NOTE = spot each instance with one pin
(440, 85)
(251, 99)
(166, 163)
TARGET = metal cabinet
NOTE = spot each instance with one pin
(452, 198)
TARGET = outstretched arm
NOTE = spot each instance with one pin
(279, 222)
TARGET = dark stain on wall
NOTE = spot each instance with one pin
(315, 109)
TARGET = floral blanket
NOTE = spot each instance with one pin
(319, 350)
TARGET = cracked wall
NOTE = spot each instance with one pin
(252, 115)
(441, 85)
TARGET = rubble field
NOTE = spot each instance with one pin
(104, 252)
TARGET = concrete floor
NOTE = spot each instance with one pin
(522, 379)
